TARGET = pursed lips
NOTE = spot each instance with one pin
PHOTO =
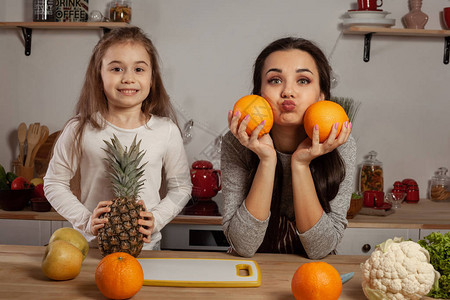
(288, 105)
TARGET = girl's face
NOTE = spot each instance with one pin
(127, 75)
(290, 82)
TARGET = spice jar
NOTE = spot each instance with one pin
(371, 174)
(120, 11)
(440, 186)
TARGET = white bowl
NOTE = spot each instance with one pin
(367, 14)
(369, 22)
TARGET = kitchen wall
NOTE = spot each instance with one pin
(207, 48)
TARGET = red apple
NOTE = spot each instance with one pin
(20, 183)
(38, 191)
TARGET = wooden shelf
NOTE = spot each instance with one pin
(63, 25)
(369, 31)
(27, 28)
(396, 31)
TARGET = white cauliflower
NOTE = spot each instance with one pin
(398, 269)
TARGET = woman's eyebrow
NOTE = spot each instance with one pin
(303, 70)
(274, 70)
(296, 71)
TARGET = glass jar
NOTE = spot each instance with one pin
(44, 10)
(440, 186)
(371, 174)
(120, 11)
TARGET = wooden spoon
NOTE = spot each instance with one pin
(22, 135)
(33, 137)
(43, 130)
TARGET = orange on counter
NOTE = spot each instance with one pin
(325, 114)
(258, 109)
(316, 281)
(119, 276)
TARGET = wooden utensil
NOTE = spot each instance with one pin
(44, 153)
(21, 135)
(43, 130)
(33, 137)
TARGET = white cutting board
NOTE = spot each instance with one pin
(198, 272)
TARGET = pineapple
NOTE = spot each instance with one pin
(121, 233)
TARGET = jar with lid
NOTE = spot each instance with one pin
(120, 11)
(440, 185)
(371, 174)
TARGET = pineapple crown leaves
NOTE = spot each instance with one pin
(125, 174)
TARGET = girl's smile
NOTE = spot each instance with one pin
(128, 92)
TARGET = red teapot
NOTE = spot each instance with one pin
(206, 184)
(205, 180)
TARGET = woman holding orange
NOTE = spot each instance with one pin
(284, 192)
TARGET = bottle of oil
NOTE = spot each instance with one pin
(371, 175)
(44, 10)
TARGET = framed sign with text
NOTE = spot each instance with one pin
(72, 10)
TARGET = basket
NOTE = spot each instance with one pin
(355, 206)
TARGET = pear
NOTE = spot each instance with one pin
(72, 236)
(62, 261)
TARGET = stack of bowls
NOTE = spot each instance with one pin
(372, 18)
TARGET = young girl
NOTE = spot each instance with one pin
(284, 192)
(122, 95)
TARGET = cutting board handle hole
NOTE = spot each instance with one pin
(243, 270)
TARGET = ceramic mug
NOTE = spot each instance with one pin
(373, 198)
(446, 17)
(369, 4)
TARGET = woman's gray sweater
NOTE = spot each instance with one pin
(245, 233)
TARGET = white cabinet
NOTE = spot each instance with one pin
(362, 241)
(28, 232)
(24, 232)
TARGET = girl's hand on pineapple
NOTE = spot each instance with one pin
(96, 221)
(147, 223)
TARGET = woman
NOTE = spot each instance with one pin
(284, 192)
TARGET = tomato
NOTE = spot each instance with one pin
(20, 183)
(38, 191)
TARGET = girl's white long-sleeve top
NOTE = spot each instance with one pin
(160, 139)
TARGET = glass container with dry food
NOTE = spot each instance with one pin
(371, 174)
(440, 185)
(120, 11)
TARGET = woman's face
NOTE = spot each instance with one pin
(290, 82)
(127, 75)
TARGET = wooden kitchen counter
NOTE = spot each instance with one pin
(52, 215)
(22, 278)
(425, 214)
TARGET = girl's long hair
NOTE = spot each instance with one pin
(328, 171)
(92, 97)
